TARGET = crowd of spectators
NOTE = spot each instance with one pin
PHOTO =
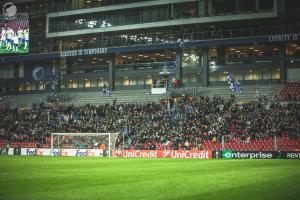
(182, 124)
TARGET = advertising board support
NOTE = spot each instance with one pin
(275, 143)
(217, 154)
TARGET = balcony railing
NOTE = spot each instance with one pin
(127, 40)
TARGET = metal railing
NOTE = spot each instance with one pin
(165, 38)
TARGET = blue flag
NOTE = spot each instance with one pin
(125, 131)
(39, 73)
(233, 84)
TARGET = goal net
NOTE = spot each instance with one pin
(83, 144)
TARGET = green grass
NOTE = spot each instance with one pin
(20, 50)
(53, 178)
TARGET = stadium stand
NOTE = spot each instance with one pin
(191, 123)
(80, 47)
(249, 94)
(16, 24)
(290, 91)
(82, 98)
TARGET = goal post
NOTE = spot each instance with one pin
(83, 144)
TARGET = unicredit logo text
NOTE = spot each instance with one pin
(140, 154)
(163, 154)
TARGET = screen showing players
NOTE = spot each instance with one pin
(14, 36)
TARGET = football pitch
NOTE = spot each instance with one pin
(74, 178)
(20, 51)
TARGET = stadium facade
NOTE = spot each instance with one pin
(126, 43)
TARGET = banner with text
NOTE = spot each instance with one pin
(194, 154)
(227, 154)
(290, 154)
(61, 152)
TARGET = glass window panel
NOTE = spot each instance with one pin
(33, 86)
(221, 76)
(185, 78)
(223, 7)
(40, 86)
(125, 81)
(146, 16)
(70, 84)
(21, 87)
(199, 77)
(140, 81)
(213, 76)
(246, 5)
(186, 10)
(62, 85)
(100, 83)
(248, 75)
(193, 78)
(257, 75)
(118, 81)
(154, 15)
(132, 18)
(267, 74)
(276, 74)
(239, 75)
(148, 80)
(27, 87)
(133, 80)
(266, 4)
(78, 84)
(93, 83)
(190, 59)
(87, 83)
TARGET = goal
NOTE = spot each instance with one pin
(83, 144)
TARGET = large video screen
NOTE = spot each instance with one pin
(14, 36)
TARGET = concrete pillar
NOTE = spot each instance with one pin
(275, 6)
(17, 67)
(57, 75)
(15, 84)
(256, 5)
(172, 12)
(279, 7)
(210, 8)
(179, 65)
(282, 62)
(236, 4)
(203, 55)
(201, 8)
(80, 3)
(111, 74)
(74, 4)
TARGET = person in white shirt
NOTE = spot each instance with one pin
(26, 38)
(20, 35)
(3, 37)
(9, 36)
(15, 40)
